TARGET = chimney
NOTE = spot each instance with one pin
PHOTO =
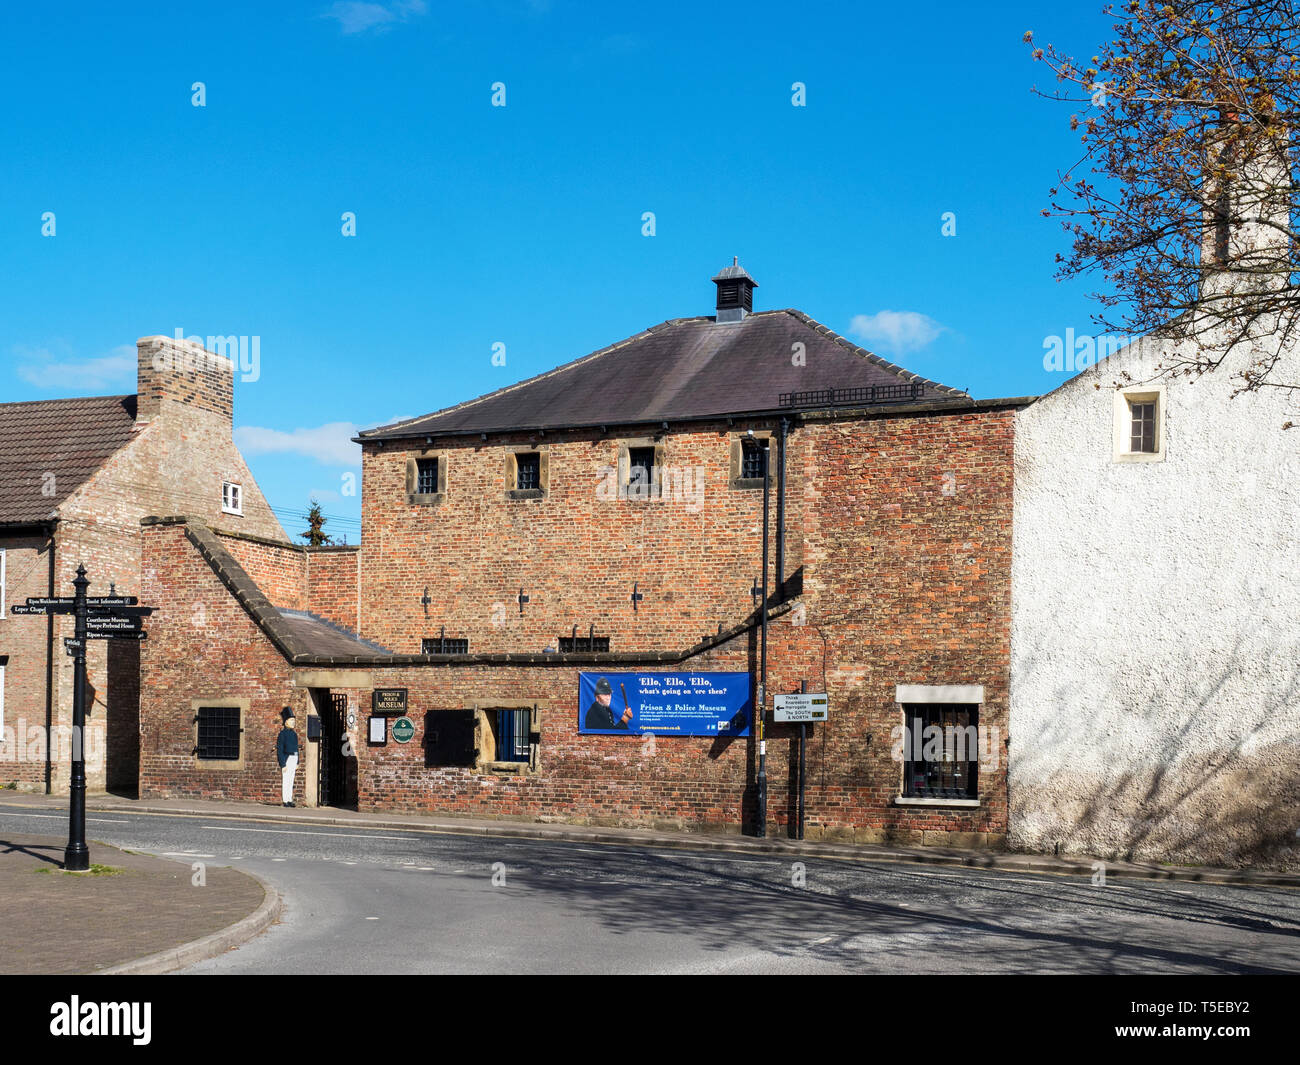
(1246, 244)
(735, 292)
(176, 376)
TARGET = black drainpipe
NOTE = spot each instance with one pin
(49, 674)
(780, 511)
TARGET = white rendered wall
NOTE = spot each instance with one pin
(1155, 677)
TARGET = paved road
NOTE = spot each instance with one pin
(408, 901)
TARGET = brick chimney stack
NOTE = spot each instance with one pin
(172, 372)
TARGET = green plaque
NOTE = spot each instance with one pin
(403, 730)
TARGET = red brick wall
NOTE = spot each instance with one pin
(279, 570)
(904, 527)
(574, 554)
(332, 584)
(24, 641)
(224, 656)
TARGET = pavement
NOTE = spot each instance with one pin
(1072, 865)
(130, 913)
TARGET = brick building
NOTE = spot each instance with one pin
(607, 517)
(76, 477)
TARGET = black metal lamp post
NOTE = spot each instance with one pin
(76, 856)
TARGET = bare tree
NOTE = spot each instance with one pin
(1185, 198)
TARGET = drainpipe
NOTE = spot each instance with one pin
(761, 706)
(780, 511)
(49, 675)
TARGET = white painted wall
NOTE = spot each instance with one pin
(1155, 682)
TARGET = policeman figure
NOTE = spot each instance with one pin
(599, 714)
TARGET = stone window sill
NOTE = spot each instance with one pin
(903, 800)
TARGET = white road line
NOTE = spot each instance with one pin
(64, 817)
(299, 832)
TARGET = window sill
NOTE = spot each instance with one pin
(747, 483)
(236, 513)
(505, 767)
(415, 499)
(903, 800)
(1140, 456)
(525, 493)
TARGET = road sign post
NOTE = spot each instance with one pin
(100, 617)
(77, 855)
(801, 708)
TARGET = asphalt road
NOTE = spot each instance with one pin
(390, 901)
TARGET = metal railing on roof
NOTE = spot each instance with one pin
(826, 397)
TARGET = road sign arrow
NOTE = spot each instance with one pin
(102, 624)
(119, 611)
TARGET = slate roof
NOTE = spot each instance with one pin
(316, 636)
(69, 438)
(684, 369)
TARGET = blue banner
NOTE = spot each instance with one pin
(667, 704)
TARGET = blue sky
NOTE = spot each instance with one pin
(519, 225)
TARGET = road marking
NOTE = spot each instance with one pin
(372, 918)
(279, 859)
(299, 832)
(186, 854)
(707, 858)
(818, 942)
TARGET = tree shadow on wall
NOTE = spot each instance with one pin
(1239, 807)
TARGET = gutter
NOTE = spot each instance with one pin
(946, 406)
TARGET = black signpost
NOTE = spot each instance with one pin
(103, 617)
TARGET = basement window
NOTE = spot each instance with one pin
(232, 498)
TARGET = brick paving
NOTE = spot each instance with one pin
(57, 922)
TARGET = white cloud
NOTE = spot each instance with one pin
(357, 16)
(328, 444)
(98, 374)
(896, 331)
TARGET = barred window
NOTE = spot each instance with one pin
(753, 457)
(528, 470)
(512, 728)
(579, 644)
(426, 477)
(218, 733)
(445, 645)
(640, 472)
(941, 751)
